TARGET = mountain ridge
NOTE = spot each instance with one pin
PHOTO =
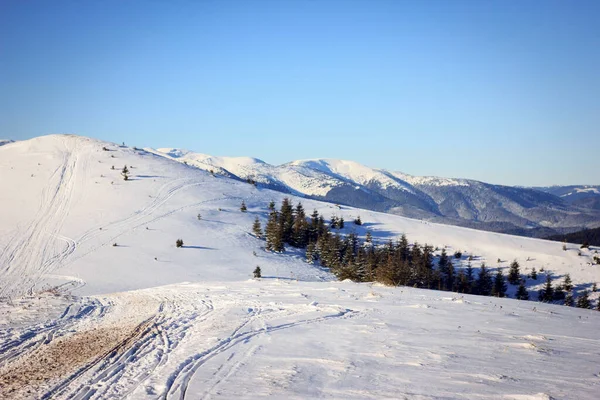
(457, 201)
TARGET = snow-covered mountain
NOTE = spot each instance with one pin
(463, 202)
(584, 196)
(113, 309)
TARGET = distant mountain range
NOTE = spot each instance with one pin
(585, 196)
(536, 212)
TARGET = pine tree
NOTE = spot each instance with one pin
(534, 274)
(470, 279)
(583, 300)
(310, 253)
(522, 293)
(484, 282)
(514, 275)
(341, 223)
(256, 228)
(334, 222)
(369, 237)
(357, 221)
(499, 288)
(286, 220)
(449, 279)
(243, 207)
(569, 302)
(443, 262)
(257, 272)
(386, 273)
(461, 284)
(125, 173)
(271, 205)
(568, 284)
(300, 228)
(547, 293)
(273, 233)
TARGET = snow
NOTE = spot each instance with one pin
(591, 190)
(430, 180)
(85, 319)
(353, 171)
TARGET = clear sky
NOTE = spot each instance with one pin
(501, 91)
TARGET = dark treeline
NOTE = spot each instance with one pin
(590, 237)
(394, 263)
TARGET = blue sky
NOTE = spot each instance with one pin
(502, 91)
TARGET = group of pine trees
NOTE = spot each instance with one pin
(392, 263)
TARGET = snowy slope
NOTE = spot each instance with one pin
(213, 332)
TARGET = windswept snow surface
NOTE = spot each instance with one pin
(83, 318)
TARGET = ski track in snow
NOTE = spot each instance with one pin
(31, 252)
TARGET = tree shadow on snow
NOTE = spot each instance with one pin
(198, 247)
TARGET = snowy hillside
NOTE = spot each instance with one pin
(98, 302)
(523, 211)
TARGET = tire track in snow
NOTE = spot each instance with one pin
(130, 364)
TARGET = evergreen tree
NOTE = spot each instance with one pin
(583, 300)
(514, 274)
(470, 276)
(387, 273)
(360, 265)
(449, 278)
(569, 302)
(522, 293)
(484, 282)
(313, 231)
(243, 207)
(403, 248)
(357, 221)
(443, 262)
(300, 228)
(125, 173)
(461, 283)
(273, 233)
(598, 305)
(341, 223)
(256, 228)
(179, 243)
(547, 293)
(369, 237)
(499, 288)
(568, 284)
(286, 220)
(271, 205)
(334, 222)
(257, 272)
(311, 253)
(534, 274)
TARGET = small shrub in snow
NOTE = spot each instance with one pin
(457, 254)
(179, 243)
(256, 272)
(357, 221)
(243, 207)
